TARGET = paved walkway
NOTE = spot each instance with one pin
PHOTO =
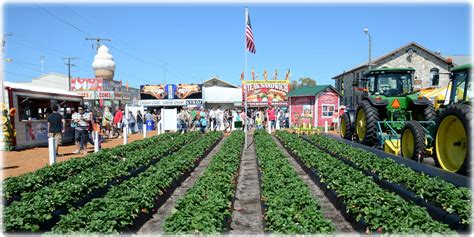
(328, 210)
(247, 214)
(155, 225)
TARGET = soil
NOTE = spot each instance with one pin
(247, 214)
(328, 210)
(16, 163)
(155, 225)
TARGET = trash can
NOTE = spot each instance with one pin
(149, 125)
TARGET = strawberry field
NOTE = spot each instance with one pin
(211, 183)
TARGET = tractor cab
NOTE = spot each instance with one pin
(461, 90)
(388, 82)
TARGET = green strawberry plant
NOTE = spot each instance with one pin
(381, 210)
(118, 209)
(59, 172)
(289, 206)
(207, 205)
(35, 208)
(432, 189)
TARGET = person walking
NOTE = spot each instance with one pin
(82, 122)
(212, 117)
(118, 122)
(140, 121)
(131, 122)
(272, 118)
(220, 118)
(56, 125)
(107, 121)
(203, 120)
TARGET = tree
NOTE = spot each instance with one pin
(303, 81)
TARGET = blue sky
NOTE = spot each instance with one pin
(198, 41)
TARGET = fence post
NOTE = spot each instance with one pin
(52, 150)
(326, 126)
(269, 127)
(125, 134)
(96, 141)
(144, 130)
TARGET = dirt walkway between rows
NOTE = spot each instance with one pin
(247, 214)
(328, 210)
(15, 163)
(155, 225)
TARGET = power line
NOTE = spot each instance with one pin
(18, 74)
(98, 41)
(62, 20)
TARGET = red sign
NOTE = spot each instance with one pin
(266, 93)
(86, 84)
(106, 95)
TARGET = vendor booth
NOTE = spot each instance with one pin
(264, 93)
(314, 106)
(33, 105)
(219, 93)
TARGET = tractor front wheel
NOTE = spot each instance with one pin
(347, 128)
(452, 139)
(366, 123)
(413, 141)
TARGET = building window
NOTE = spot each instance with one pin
(328, 111)
(434, 72)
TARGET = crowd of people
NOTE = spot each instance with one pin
(110, 124)
(191, 119)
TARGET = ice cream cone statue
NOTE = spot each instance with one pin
(104, 65)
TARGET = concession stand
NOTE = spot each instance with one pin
(264, 93)
(314, 105)
(33, 105)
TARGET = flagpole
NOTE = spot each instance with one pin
(245, 89)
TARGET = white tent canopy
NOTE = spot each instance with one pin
(218, 94)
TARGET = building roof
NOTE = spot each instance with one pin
(49, 74)
(309, 90)
(460, 59)
(37, 89)
(376, 60)
(218, 82)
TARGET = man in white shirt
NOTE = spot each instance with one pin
(219, 118)
(212, 116)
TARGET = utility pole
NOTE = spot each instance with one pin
(2, 99)
(98, 41)
(69, 65)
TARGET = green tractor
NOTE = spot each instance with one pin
(452, 137)
(388, 108)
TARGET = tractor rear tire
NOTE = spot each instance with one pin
(347, 128)
(452, 139)
(366, 123)
(413, 140)
(426, 114)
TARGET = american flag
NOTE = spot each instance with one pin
(250, 45)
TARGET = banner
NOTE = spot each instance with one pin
(171, 91)
(88, 95)
(266, 93)
(105, 95)
(115, 86)
(302, 110)
(86, 84)
(190, 103)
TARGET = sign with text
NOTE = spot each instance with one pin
(266, 93)
(86, 84)
(170, 91)
(190, 102)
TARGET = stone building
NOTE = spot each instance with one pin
(431, 70)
